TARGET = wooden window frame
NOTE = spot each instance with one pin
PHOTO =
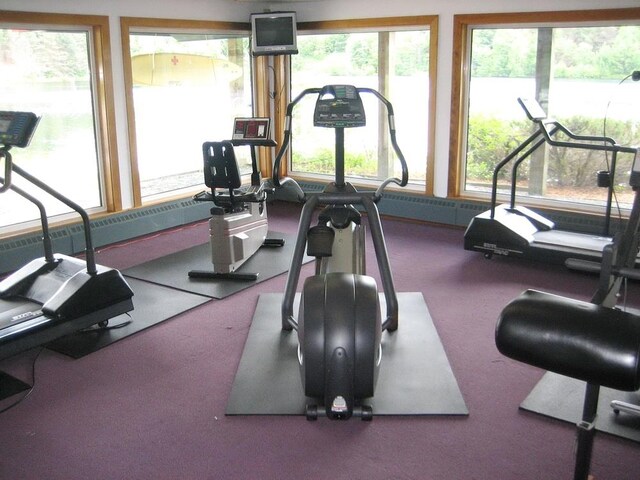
(127, 24)
(103, 83)
(461, 67)
(387, 23)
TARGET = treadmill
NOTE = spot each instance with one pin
(54, 295)
(517, 231)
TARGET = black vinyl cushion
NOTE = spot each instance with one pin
(220, 165)
(577, 339)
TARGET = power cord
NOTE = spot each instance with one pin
(33, 384)
(635, 76)
(105, 328)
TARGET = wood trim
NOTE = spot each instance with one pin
(568, 16)
(131, 117)
(460, 65)
(282, 95)
(170, 23)
(433, 76)
(106, 112)
(38, 18)
(359, 23)
(262, 108)
(458, 74)
(103, 76)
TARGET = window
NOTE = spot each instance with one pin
(578, 66)
(397, 58)
(52, 65)
(186, 83)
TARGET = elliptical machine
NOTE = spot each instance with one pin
(238, 225)
(339, 323)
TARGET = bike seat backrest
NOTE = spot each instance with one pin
(220, 166)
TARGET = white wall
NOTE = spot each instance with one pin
(239, 10)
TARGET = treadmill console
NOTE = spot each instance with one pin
(339, 106)
(16, 128)
(532, 108)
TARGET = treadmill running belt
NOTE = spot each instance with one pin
(571, 239)
(15, 311)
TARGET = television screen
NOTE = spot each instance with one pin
(273, 33)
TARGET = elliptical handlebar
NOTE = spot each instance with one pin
(401, 182)
(4, 152)
(279, 182)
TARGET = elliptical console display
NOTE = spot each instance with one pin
(339, 106)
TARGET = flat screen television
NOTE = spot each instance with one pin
(273, 33)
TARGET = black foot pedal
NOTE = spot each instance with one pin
(209, 275)
(273, 242)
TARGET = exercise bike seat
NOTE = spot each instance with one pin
(581, 340)
(221, 171)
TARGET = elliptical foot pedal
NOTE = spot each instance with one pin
(273, 242)
(209, 275)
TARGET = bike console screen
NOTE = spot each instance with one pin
(339, 106)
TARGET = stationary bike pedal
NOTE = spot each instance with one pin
(366, 413)
(312, 412)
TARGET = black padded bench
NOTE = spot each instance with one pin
(589, 342)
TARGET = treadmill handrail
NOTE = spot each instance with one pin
(89, 251)
(44, 221)
(6, 182)
(614, 147)
(548, 134)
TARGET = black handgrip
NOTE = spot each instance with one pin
(4, 152)
(394, 143)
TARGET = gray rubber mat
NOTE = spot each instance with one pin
(415, 377)
(562, 398)
(172, 270)
(152, 304)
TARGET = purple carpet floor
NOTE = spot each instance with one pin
(151, 406)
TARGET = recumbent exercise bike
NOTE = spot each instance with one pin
(238, 225)
(339, 323)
